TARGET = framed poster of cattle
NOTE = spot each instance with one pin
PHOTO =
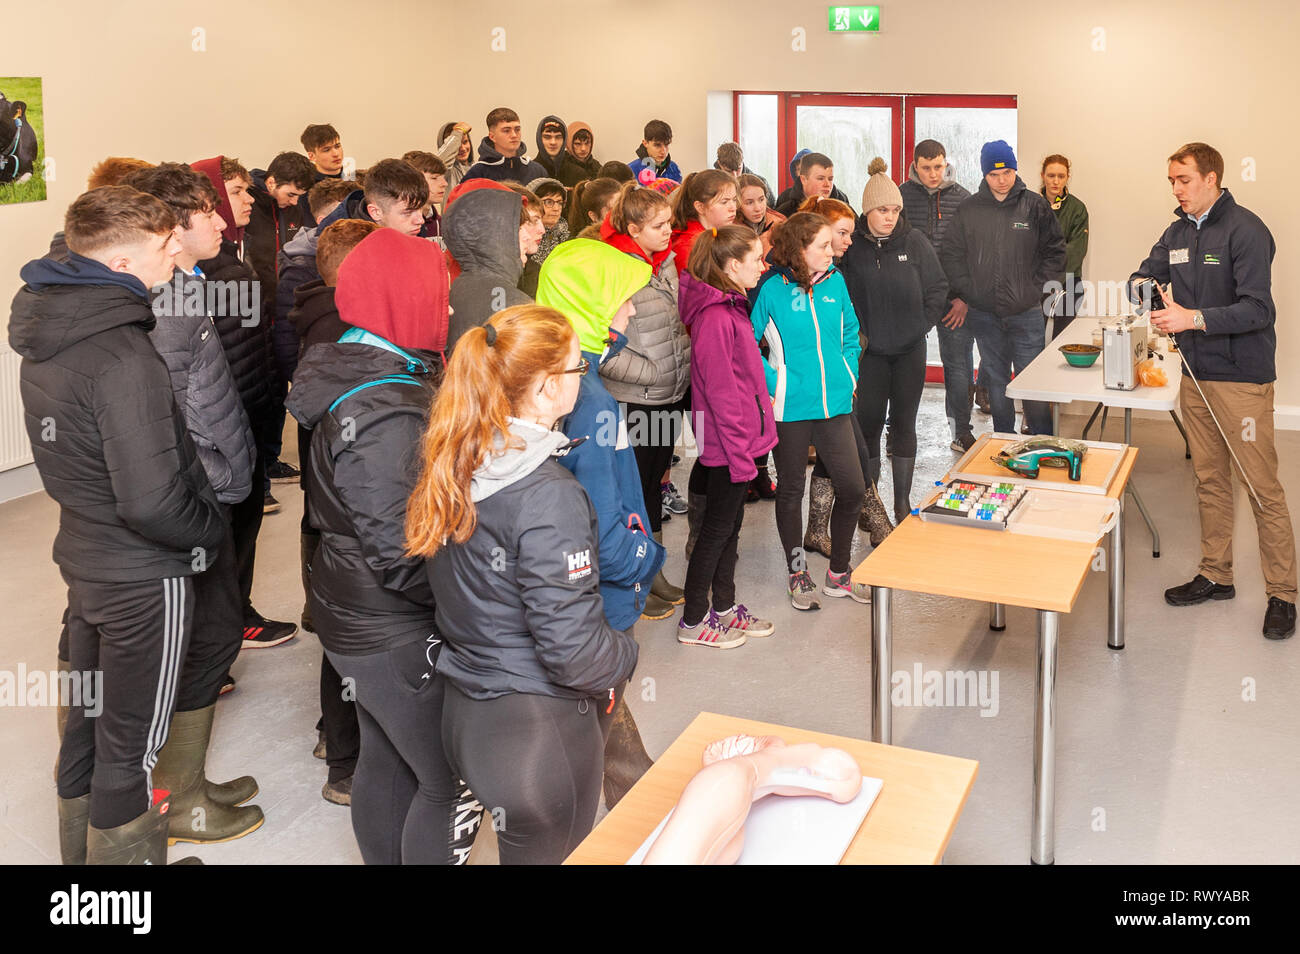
(22, 139)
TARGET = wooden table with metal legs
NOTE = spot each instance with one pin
(1003, 569)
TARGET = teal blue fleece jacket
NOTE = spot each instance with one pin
(812, 341)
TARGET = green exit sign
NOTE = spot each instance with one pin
(854, 19)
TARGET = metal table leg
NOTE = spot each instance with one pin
(1187, 447)
(882, 729)
(1056, 419)
(1132, 488)
(997, 617)
(1115, 633)
(1087, 427)
(1042, 844)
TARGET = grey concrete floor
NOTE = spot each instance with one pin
(1181, 748)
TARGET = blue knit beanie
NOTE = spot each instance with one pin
(996, 155)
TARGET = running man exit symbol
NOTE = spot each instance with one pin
(855, 19)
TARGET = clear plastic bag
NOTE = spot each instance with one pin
(1151, 374)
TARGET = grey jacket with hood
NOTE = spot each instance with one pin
(518, 603)
(655, 366)
(481, 229)
(205, 391)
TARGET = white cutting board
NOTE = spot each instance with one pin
(795, 829)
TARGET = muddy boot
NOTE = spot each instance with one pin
(672, 595)
(821, 498)
(61, 721)
(141, 841)
(74, 818)
(308, 543)
(195, 815)
(626, 759)
(656, 607)
(694, 518)
(903, 468)
(874, 519)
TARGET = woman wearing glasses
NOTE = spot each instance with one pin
(553, 195)
(529, 664)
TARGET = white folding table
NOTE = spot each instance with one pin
(1049, 378)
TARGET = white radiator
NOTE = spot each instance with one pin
(15, 449)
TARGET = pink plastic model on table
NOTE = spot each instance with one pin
(708, 824)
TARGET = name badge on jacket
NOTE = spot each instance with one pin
(1178, 256)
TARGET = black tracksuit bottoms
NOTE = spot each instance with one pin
(837, 449)
(407, 805)
(129, 641)
(713, 561)
(245, 522)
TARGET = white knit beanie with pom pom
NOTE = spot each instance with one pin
(880, 189)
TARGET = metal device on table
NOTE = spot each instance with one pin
(1123, 348)
(1025, 458)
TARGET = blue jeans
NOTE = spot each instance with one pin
(1008, 344)
(957, 351)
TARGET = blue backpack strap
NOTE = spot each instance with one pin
(391, 379)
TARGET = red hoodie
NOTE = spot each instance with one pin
(625, 243)
(682, 242)
(396, 286)
(212, 169)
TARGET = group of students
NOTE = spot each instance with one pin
(486, 432)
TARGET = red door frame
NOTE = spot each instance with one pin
(792, 102)
(911, 103)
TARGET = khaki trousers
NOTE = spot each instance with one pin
(1245, 412)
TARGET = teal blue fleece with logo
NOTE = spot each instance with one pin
(812, 341)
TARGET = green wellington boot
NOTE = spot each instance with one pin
(141, 841)
(626, 759)
(74, 819)
(196, 816)
(672, 595)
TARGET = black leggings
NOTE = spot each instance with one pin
(407, 807)
(653, 431)
(536, 764)
(837, 448)
(896, 382)
(713, 561)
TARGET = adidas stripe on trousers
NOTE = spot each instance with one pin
(133, 637)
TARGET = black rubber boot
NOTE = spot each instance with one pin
(195, 816)
(874, 520)
(74, 819)
(903, 468)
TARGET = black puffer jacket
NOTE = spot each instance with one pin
(269, 229)
(245, 338)
(110, 444)
(366, 595)
(205, 390)
(519, 604)
(999, 256)
(896, 286)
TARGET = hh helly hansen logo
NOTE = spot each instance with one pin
(1024, 226)
(579, 565)
(903, 257)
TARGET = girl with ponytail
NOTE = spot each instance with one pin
(733, 424)
(589, 205)
(705, 200)
(529, 664)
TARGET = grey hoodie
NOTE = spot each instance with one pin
(512, 462)
(481, 229)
